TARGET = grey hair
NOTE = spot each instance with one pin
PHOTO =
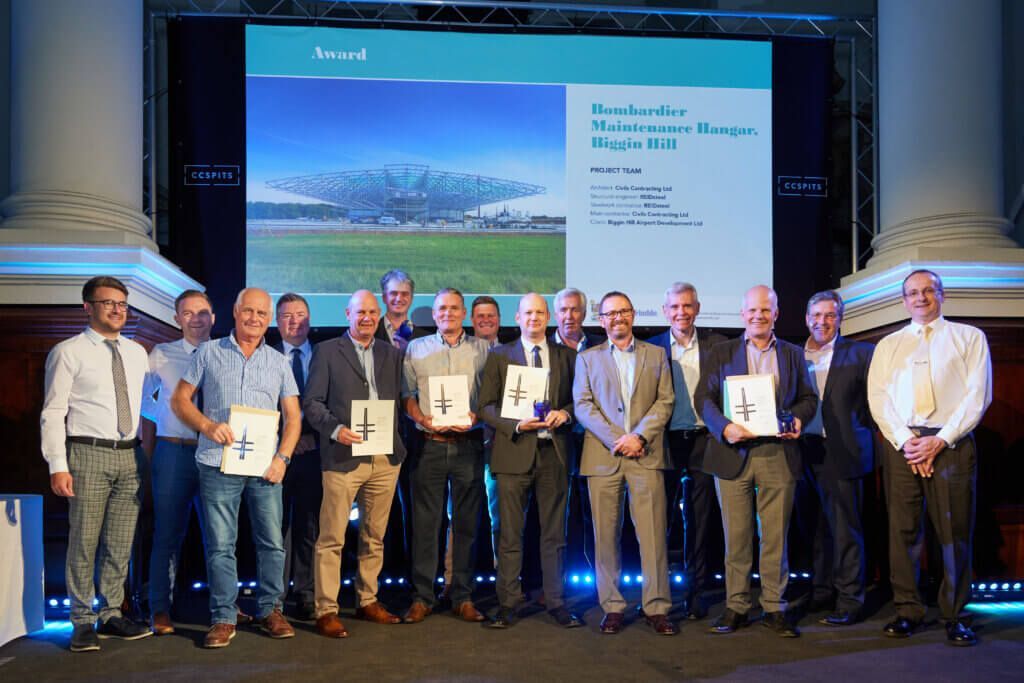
(571, 291)
(680, 288)
(827, 295)
(397, 276)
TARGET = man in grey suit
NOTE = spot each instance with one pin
(751, 469)
(355, 366)
(533, 453)
(624, 399)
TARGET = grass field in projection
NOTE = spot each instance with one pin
(345, 261)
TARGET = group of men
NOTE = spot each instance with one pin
(647, 421)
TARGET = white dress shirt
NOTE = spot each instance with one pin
(167, 363)
(818, 363)
(961, 372)
(79, 397)
(545, 359)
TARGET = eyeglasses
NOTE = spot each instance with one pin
(929, 292)
(622, 313)
(109, 304)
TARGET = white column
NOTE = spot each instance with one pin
(76, 156)
(940, 147)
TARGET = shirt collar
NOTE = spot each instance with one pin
(440, 338)
(687, 347)
(234, 342)
(916, 328)
(528, 345)
(97, 338)
(629, 349)
(188, 347)
(824, 348)
(359, 345)
(304, 348)
(748, 342)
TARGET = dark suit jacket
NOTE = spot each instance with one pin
(849, 429)
(706, 339)
(336, 378)
(794, 393)
(307, 428)
(514, 453)
(593, 339)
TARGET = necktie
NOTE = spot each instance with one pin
(536, 357)
(124, 412)
(199, 393)
(924, 395)
(300, 378)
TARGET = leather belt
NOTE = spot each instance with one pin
(178, 440)
(104, 443)
(925, 431)
(691, 433)
(453, 437)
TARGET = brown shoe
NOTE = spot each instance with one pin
(468, 612)
(377, 613)
(276, 626)
(162, 625)
(219, 635)
(243, 619)
(330, 626)
(661, 625)
(416, 613)
(613, 623)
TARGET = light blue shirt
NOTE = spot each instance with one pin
(228, 378)
(365, 356)
(625, 364)
(685, 375)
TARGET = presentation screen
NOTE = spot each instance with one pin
(503, 164)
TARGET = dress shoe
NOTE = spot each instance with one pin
(417, 612)
(564, 618)
(119, 627)
(83, 638)
(960, 634)
(276, 626)
(900, 627)
(728, 622)
(219, 635)
(304, 611)
(840, 618)
(780, 624)
(330, 626)
(503, 619)
(693, 608)
(377, 613)
(162, 624)
(613, 623)
(659, 622)
(467, 611)
(243, 619)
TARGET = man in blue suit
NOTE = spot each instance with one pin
(749, 469)
(838, 449)
(686, 484)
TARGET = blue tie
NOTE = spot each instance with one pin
(300, 377)
(536, 357)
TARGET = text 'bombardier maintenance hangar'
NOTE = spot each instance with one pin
(414, 194)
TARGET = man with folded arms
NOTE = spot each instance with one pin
(450, 456)
(173, 454)
(623, 398)
(751, 470)
(241, 369)
(355, 366)
(531, 454)
(929, 385)
(92, 397)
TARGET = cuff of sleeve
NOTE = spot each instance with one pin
(901, 436)
(948, 434)
(334, 434)
(58, 463)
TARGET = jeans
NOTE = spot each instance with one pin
(221, 496)
(175, 489)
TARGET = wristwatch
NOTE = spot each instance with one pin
(643, 440)
(283, 458)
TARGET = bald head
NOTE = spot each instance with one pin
(252, 315)
(363, 313)
(532, 316)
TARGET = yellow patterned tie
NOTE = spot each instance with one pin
(924, 395)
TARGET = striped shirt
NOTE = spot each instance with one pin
(432, 356)
(228, 378)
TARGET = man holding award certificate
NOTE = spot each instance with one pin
(754, 396)
(352, 400)
(526, 396)
(243, 381)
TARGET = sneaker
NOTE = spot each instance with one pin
(119, 627)
(83, 638)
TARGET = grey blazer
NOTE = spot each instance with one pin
(336, 378)
(600, 410)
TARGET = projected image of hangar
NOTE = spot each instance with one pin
(404, 194)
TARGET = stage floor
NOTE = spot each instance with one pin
(535, 649)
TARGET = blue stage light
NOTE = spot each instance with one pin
(479, 579)
(252, 584)
(982, 586)
(387, 581)
(197, 585)
(575, 578)
(440, 579)
(1006, 586)
(54, 602)
(678, 578)
(240, 584)
(792, 575)
(588, 579)
(401, 580)
(627, 579)
(1016, 586)
(353, 516)
(492, 579)
(756, 576)
(718, 576)
(805, 575)
(639, 578)
(347, 582)
(67, 602)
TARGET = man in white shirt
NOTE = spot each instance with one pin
(928, 387)
(90, 416)
(175, 479)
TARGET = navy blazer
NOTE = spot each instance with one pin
(850, 443)
(794, 393)
(336, 378)
(307, 428)
(514, 453)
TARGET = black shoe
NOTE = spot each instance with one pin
(960, 634)
(900, 627)
(564, 618)
(779, 623)
(119, 627)
(693, 608)
(304, 611)
(840, 618)
(729, 622)
(83, 638)
(503, 619)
